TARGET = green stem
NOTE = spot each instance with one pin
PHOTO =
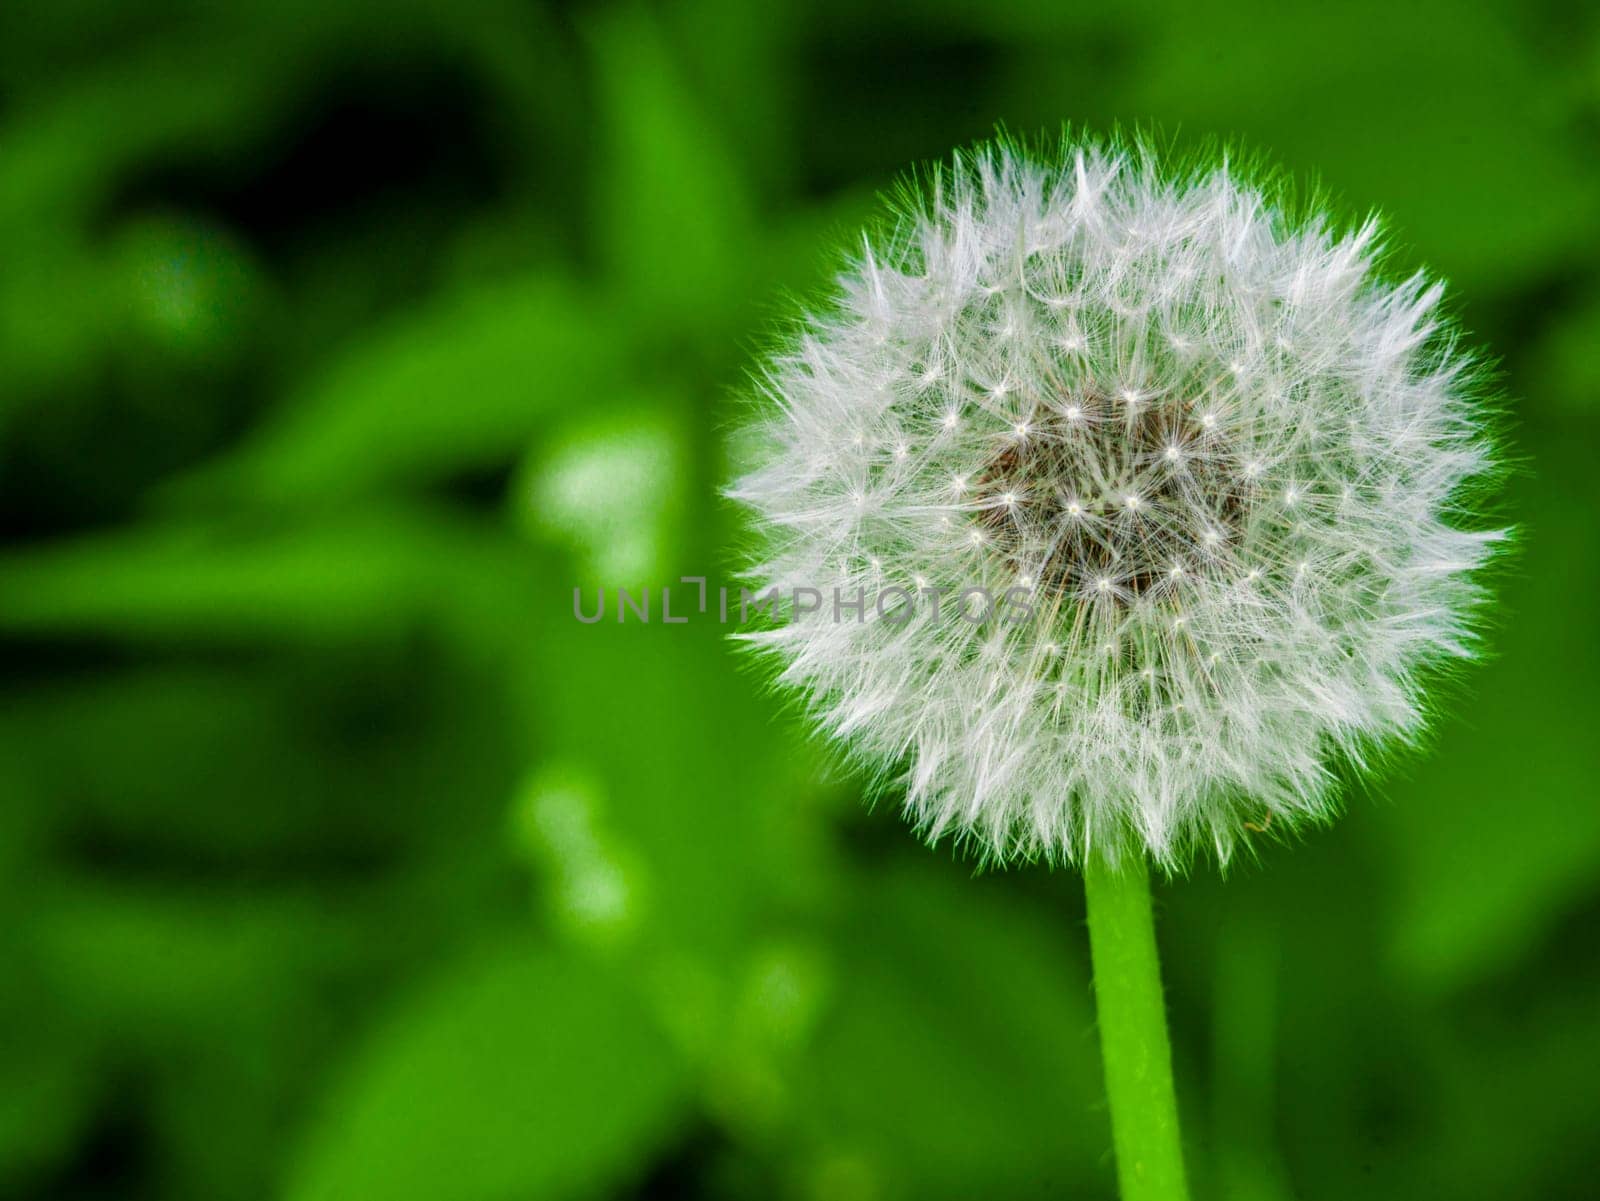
(1133, 1031)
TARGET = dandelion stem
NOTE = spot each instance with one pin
(1133, 1031)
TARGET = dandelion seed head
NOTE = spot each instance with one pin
(1153, 392)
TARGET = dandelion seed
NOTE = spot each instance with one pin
(1172, 754)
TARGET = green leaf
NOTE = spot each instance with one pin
(612, 490)
(49, 1078)
(522, 1074)
(365, 575)
(714, 805)
(165, 968)
(958, 1059)
(460, 385)
(670, 202)
(1563, 370)
(1444, 121)
(1493, 834)
(168, 738)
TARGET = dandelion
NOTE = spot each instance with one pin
(1227, 454)
(1286, 483)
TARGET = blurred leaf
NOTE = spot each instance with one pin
(1244, 1054)
(1291, 943)
(767, 1026)
(48, 1087)
(671, 206)
(612, 490)
(64, 151)
(958, 1057)
(166, 968)
(218, 1000)
(1516, 1099)
(50, 1074)
(461, 385)
(57, 344)
(1563, 369)
(593, 883)
(738, 53)
(522, 1073)
(716, 807)
(1493, 833)
(369, 575)
(203, 997)
(208, 83)
(189, 289)
(1438, 108)
(326, 759)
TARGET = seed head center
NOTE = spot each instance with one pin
(1103, 499)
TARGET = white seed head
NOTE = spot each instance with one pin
(1225, 453)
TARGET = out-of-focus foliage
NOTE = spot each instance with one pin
(338, 342)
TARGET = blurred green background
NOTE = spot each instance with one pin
(338, 342)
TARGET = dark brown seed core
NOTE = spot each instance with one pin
(1159, 493)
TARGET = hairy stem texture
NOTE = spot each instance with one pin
(1133, 1031)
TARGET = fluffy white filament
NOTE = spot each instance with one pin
(1221, 453)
